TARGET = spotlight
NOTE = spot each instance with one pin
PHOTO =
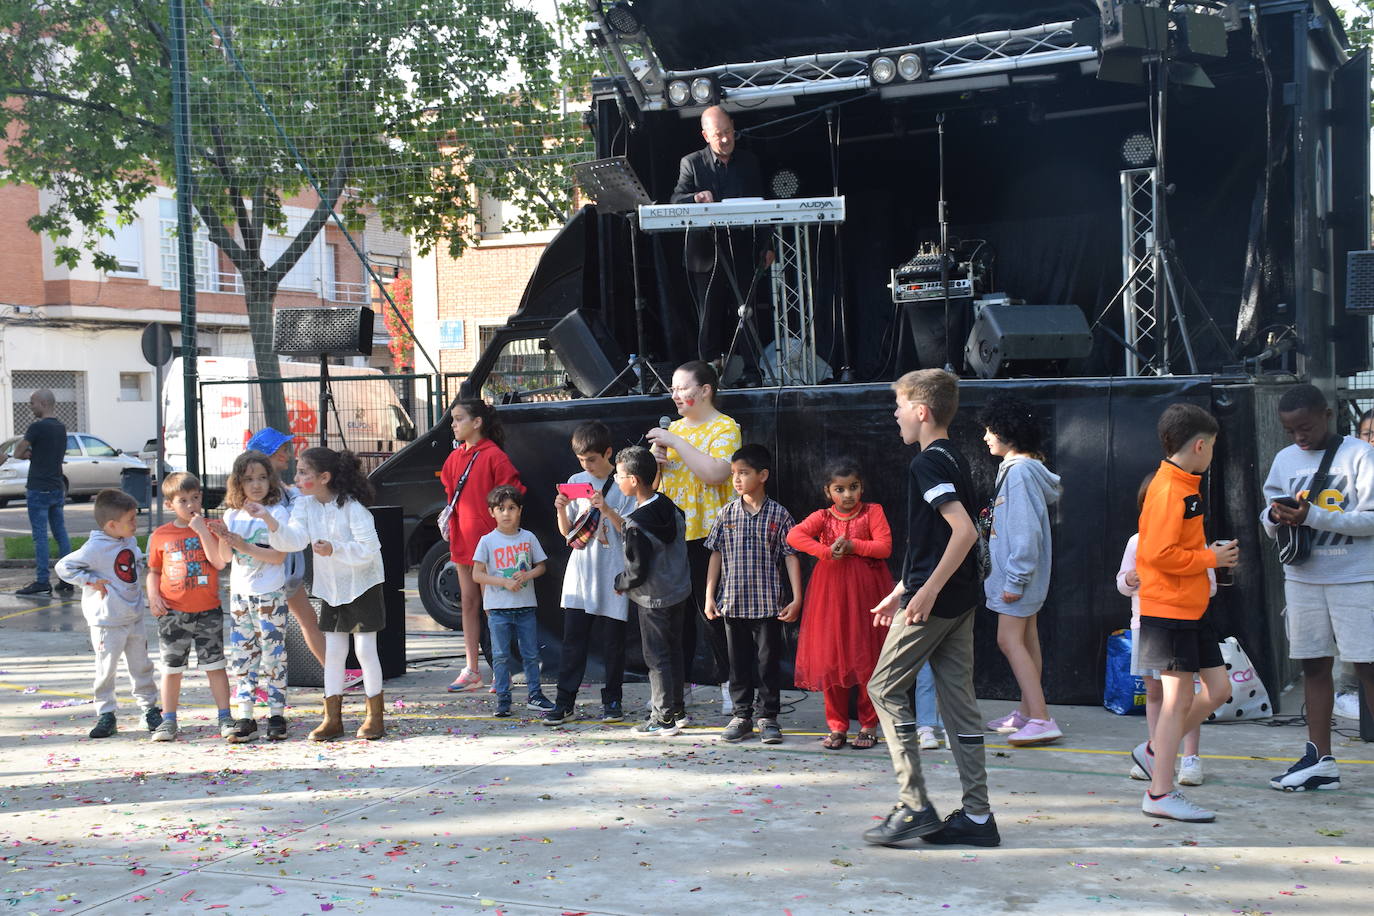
(911, 66)
(882, 70)
(679, 93)
(703, 90)
(784, 183)
(622, 18)
(1137, 149)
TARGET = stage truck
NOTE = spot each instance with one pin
(1104, 208)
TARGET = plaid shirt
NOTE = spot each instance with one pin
(751, 548)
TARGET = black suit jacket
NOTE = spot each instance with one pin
(701, 171)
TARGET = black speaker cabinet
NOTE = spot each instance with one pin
(1359, 282)
(1023, 338)
(302, 670)
(588, 351)
(344, 331)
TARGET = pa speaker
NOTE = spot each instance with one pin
(323, 331)
(1026, 339)
(587, 351)
(1359, 282)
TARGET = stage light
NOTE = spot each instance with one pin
(882, 70)
(784, 183)
(1137, 149)
(911, 66)
(622, 18)
(679, 93)
(703, 90)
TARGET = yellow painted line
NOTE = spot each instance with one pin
(33, 610)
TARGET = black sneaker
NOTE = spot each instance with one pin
(738, 730)
(612, 712)
(556, 716)
(152, 717)
(105, 726)
(276, 728)
(64, 588)
(903, 824)
(958, 830)
(245, 730)
(35, 590)
(540, 703)
(502, 709)
(769, 731)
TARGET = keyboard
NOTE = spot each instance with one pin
(792, 211)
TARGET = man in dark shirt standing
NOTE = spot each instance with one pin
(719, 260)
(44, 445)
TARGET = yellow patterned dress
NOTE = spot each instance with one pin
(719, 438)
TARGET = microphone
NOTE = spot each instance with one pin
(663, 422)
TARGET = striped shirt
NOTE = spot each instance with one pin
(751, 548)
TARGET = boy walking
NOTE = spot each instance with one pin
(930, 613)
(656, 579)
(184, 560)
(1329, 594)
(747, 540)
(107, 567)
(597, 557)
(505, 563)
(1176, 636)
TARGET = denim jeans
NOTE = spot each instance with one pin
(45, 512)
(927, 713)
(516, 625)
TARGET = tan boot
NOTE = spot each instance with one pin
(332, 726)
(373, 726)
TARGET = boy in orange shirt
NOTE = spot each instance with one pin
(184, 560)
(1172, 559)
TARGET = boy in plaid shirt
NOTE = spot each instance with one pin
(743, 585)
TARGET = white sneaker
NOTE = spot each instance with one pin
(1175, 807)
(1347, 705)
(1190, 771)
(727, 705)
(1138, 773)
(929, 742)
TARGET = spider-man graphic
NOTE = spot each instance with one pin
(126, 566)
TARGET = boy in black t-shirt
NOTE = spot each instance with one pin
(930, 614)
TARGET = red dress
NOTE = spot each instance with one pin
(471, 518)
(839, 645)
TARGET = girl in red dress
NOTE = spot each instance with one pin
(839, 644)
(477, 454)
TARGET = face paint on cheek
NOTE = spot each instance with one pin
(690, 402)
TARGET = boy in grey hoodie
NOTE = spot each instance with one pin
(112, 601)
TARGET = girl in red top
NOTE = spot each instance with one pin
(839, 642)
(477, 454)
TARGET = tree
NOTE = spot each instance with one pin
(409, 108)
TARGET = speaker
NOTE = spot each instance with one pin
(345, 331)
(588, 352)
(1025, 339)
(302, 670)
(1359, 282)
(1366, 720)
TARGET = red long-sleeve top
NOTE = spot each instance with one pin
(471, 518)
(867, 529)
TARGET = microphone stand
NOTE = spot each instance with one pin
(944, 244)
(846, 370)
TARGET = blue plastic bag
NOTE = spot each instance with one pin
(1123, 693)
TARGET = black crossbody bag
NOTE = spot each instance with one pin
(1295, 541)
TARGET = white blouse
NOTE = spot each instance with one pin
(356, 563)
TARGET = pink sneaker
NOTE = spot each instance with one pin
(353, 677)
(466, 680)
(1036, 731)
(1011, 722)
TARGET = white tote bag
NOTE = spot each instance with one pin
(1249, 699)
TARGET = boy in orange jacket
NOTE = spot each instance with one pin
(1172, 559)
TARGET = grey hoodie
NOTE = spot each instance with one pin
(116, 560)
(1020, 541)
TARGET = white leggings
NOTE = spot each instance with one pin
(336, 654)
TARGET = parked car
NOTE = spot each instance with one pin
(90, 465)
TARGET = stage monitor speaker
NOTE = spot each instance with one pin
(345, 331)
(588, 352)
(1359, 282)
(1026, 339)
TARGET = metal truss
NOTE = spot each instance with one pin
(1145, 325)
(794, 327)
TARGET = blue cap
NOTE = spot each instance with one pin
(268, 440)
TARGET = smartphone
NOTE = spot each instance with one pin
(1288, 501)
(577, 490)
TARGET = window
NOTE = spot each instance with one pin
(207, 275)
(526, 370)
(126, 247)
(73, 447)
(133, 386)
(98, 448)
(303, 275)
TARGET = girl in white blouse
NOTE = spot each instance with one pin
(332, 518)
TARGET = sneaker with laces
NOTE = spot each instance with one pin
(929, 740)
(502, 709)
(961, 830)
(1310, 773)
(612, 712)
(738, 730)
(243, 732)
(1144, 757)
(353, 677)
(1347, 705)
(1011, 722)
(64, 588)
(539, 703)
(769, 731)
(228, 726)
(105, 726)
(35, 590)
(166, 731)
(276, 728)
(681, 717)
(656, 728)
(1035, 731)
(1137, 772)
(1175, 807)
(1190, 771)
(904, 824)
(467, 679)
(556, 716)
(152, 717)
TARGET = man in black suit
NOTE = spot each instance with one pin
(720, 263)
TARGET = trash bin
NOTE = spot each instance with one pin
(137, 482)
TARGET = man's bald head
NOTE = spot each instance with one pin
(43, 400)
(718, 129)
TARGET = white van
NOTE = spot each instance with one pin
(368, 416)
